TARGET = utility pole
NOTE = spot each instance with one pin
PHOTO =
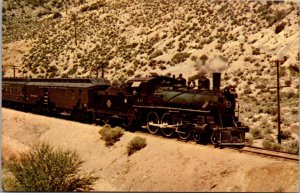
(74, 19)
(75, 23)
(278, 102)
(102, 66)
(66, 6)
(97, 71)
(14, 68)
(279, 62)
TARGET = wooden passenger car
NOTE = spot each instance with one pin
(64, 94)
(14, 90)
(58, 94)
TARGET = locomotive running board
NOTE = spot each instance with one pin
(163, 126)
(170, 108)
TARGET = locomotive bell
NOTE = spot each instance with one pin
(216, 81)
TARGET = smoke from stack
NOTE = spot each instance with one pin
(216, 64)
(201, 72)
(214, 67)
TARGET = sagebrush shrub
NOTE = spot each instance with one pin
(271, 110)
(180, 57)
(292, 147)
(285, 134)
(43, 169)
(290, 95)
(269, 137)
(111, 135)
(136, 144)
(249, 139)
(155, 54)
(267, 144)
(277, 147)
(8, 184)
(256, 133)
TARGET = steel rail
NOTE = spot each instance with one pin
(254, 147)
(269, 153)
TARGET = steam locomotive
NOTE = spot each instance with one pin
(159, 104)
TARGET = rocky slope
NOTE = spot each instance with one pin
(133, 37)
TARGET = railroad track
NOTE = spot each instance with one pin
(247, 149)
(270, 153)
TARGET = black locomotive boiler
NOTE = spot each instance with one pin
(156, 103)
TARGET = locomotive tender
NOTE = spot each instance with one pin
(156, 103)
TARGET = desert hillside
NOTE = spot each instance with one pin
(133, 37)
(163, 165)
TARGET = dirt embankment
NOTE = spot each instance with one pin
(163, 165)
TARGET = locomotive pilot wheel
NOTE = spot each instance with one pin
(214, 138)
(152, 118)
(167, 120)
(197, 137)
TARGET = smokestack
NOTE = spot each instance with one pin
(216, 81)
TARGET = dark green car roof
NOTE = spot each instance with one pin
(59, 82)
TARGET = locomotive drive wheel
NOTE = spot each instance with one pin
(152, 118)
(167, 119)
(184, 133)
(214, 138)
